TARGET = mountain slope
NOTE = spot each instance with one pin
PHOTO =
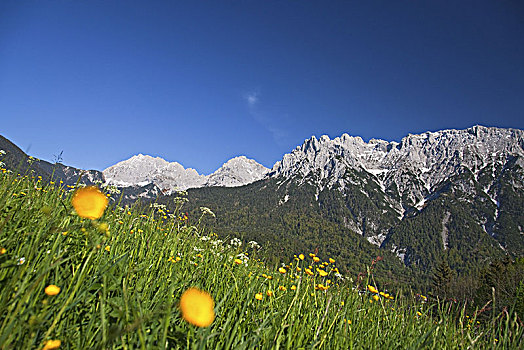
(18, 161)
(454, 195)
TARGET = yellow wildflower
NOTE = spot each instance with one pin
(103, 227)
(89, 202)
(376, 297)
(269, 293)
(238, 261)
(107, 248)
(52, 344)
(282, 270)
(331, 260)
(309, 272)
(316, 259)
(301, 256)
(322, 273)
(372, 289)
(3, 251)
(52, 290)
(282, 288)
(197, 307)
(258, 296)
(293, 287)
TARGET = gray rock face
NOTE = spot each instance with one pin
(141, 169)
(412, 168)
(238, 171)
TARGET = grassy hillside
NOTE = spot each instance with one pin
(284, 225)
(115, 282)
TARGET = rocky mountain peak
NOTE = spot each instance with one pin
(414, 166)
(140, 170)
(237, 171)
(143, 169)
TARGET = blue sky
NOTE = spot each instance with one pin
(199, 82)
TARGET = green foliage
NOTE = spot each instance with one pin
(502, 279)
(300, 224)
(442, 280)
(120, 282)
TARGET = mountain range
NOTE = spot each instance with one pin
(453, 195)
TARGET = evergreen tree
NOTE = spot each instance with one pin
(442, 280)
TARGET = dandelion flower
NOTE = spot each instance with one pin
(197, 307)
(258, 296)
(301, 256)
(89, 202)
(52, 344)
(293, 287)
(282, 270)
(372, 289)
(52, 290)
(322, 273)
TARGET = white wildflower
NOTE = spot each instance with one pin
(235, 242)
(253, 245)
(206, 210)
(243, 257)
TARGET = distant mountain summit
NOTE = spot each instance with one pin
(141, 169)
(238, 171)
(410, 170)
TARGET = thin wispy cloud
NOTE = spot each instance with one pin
(267, 120)
(251, 98)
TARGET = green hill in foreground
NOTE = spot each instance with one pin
(116, 283)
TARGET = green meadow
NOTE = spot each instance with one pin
(116, 283)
